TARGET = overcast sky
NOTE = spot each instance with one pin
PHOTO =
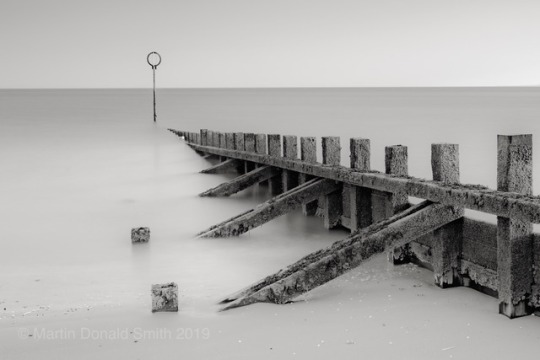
(260, 43)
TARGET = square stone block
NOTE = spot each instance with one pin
(165, 297)
(140, 235)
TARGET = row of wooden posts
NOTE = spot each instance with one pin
(371, 203)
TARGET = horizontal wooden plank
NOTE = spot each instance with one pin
(474, 197)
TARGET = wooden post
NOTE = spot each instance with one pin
(260, 144)
(385, 204)
(239, 145)
(215, 140)
(204, 137)
(331, 205)
(221, 144)
(260, 148)
(290, 151)
(221, 137)
(274, 149)
(308, 153)
(514, 237)
(229, 141)
(274, 145)
(447, 241)
(360, 197)
(239, 141)
(249, 144)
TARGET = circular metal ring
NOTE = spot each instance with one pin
(158, 59)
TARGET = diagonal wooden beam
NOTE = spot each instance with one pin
(242, 182)
(272, 208)
(327, 264)
(223, 166)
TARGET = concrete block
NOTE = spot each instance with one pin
(140, 235)
(165, 297)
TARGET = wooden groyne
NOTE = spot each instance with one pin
(502, 260)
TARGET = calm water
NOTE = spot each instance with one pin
(81, 167)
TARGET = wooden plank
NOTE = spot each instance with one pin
(222, 166)
(271, 209)
(320, 268)
(241, 182)
(474, 197)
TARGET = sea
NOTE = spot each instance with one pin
(80, 168)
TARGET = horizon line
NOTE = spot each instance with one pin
(272, 87)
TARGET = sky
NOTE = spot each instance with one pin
(269, 43)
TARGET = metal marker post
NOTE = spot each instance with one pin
(154, 59)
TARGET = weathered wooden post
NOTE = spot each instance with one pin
(239, 141)
(331, 205)
(514, 237)
(260, 143)
(222, 140)
(260, 148)
(229, 141)
(274, 149)
(249, 144)
(385, 204)
(204, 137)
(239, 146)
(290, 151)
(360, 197)
(221, 144)
(308, 153)
(448, 240)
